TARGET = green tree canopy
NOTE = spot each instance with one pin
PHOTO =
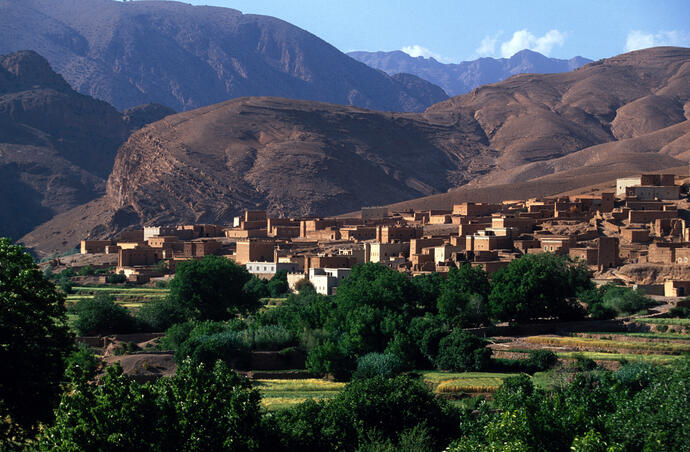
(463, 297)
(200, 408)
(34, 342)
(541, 285)
(212, 288)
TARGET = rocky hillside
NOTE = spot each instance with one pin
(57, 147)
(618, 116)
(185, 57)
(463, 77)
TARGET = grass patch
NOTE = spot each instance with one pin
(610, 345)
(678, 321)
(632, 357)
(278, 394)
(470, 382)
(672, 336)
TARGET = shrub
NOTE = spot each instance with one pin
(176, 335)
(462, 351)
(304, 285)
(116, 278)
(269, 337)
(378, 364)
(583, 363)
(680, 311)
(160, 315)
(624, 300)
(82, 364)
(229, 347)
(101, 315)
(329, 359)
(542, 360)
(86, 270)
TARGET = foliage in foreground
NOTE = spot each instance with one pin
(200, 408)
(34, 342)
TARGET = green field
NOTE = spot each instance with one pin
(610, 345)
(129, 297)
(277, 394)
(671, 336)
(632, 357)
(679, 322)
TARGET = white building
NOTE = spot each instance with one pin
(325, 280)
(267, 269)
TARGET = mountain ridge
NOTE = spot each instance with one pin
(463, 77)
(186, 57)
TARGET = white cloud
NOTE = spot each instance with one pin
(488, 46)
(417, 51)
(523, 39)
(641, 40)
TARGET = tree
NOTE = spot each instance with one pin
(34, 342)
(462, 300)
(101, 315)
(461, 351)
(212, 288)
(278, 285)
(200, 408)
(383, 409)
(536, 286)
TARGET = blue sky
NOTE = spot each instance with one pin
(454, 31)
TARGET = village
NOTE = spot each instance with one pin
(644, 221)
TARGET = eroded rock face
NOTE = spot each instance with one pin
(57, 146)
(186, 57)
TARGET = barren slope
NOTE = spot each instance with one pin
(529, 135)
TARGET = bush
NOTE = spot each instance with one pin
(376, 410)
(86, 270)
(269, 337)
(378, 365)
(101, 315)
(583, 363)
(624, 300)
(116, 278)
(461, 351)
(229, 347)
(542, 360)
(82, 365)
(278, 285)
(329, 359)
(160, 315)
(680, 311)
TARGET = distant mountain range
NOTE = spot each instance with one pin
(615, 117)
(463, 77)
(185, 57)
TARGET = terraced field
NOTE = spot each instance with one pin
(592, 344)
(129, 297)
(277, 394)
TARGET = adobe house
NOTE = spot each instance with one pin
(94, 246)
(676, 288)
(253, 250)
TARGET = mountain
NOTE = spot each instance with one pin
(463, 77)
(185, 57)
(57, 146)
(618, 116)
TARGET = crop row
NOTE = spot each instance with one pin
(680, 322)
(585, 343)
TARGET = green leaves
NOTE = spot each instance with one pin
(212, 288)
(34, 342)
